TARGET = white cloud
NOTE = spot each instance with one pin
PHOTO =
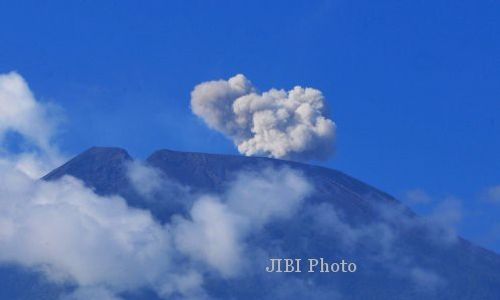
(146, 180)
(269, 194)
(212, 235)
(20, 112)
(152, 184)
(218, 227)
(158, 193)
(62, 228)
(277, 123)
(443, 221)
(91, 293)
(71, 234)
(34, 121)
(189, 284)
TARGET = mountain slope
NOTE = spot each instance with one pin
(103, 168)
(399, 255)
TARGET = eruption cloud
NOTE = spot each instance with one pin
(276, 123)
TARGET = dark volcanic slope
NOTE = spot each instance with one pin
(102, 168)
(467, 271)
(209, 172)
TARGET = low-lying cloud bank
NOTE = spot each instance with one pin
(276, 123)
(72, 235)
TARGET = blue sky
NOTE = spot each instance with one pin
(412, 85)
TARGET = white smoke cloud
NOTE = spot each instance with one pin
(277, 123)
(34, 121)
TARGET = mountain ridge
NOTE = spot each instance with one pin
(121, 154)
(470, 271)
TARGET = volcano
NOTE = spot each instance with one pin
(399, 255)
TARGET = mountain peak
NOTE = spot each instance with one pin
(104, 167)
(109, 152)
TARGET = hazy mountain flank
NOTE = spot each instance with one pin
(398, 254)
